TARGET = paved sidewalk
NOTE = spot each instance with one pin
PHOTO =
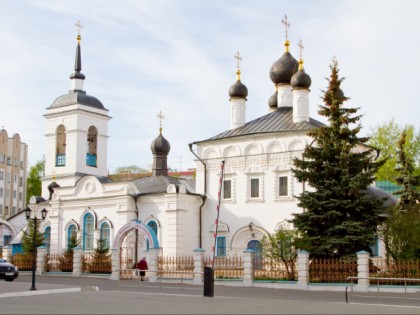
(13, 289)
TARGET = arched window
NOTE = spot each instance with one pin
(60, 154)
(47, 238)
(153, 225)
(92, 146)
(88, 227)
(71, 237)
(105, 233)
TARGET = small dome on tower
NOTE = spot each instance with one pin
(301, 80)
(238, 89)
(160, 146)
(272, 101)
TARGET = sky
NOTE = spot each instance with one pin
(141, 57)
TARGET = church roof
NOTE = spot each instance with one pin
(159, 184)
(280, 120)
(77, 97)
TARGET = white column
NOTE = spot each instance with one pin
(284, 97)
(153, 263)
(303, 269)
(362, 270)
(248, 267)
(238, 109)
(198, 265)
(40, 260)
(77, 261)
(7, 253)
(300, 105)
(115, 257)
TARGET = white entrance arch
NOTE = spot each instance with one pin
(146, 230)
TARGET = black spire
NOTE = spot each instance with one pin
(78, 62)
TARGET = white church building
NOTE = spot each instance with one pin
(176, 215)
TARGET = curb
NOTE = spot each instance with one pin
(39, 292)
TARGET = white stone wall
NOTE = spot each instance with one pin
(265, 157)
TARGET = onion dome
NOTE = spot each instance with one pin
(238, 89)
(300, 79)
(283, 69)
(160, 146)
(272, 101)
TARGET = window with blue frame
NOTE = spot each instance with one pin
(153, 225)
(375, 247)
(92, 145)
(47, 238)
(105, 233)
(72, 232)
(88, 227)
(7, 239)
(221, 246)
(60, 157)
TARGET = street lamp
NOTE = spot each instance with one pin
(35, 219)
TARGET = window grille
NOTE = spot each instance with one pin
(221, 246)
(255, 187)
(283, 189)
(227, 189)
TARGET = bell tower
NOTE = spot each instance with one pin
(76, 133)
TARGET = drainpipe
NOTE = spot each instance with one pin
(204, 196)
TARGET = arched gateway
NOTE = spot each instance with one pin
(146, 231)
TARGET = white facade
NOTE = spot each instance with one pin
(265, 158)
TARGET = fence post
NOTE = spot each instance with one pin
(116, 264)
(198, 265)
(7, 253)
(303, 269)
(77, 261)
(362, 270)
(40, 260)
(248, 267)
(153, 263)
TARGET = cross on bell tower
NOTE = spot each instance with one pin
(79, 26)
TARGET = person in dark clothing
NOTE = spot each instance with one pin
(142, 266)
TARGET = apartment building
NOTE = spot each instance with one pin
(13, 174)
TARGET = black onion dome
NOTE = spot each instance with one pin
(238, 89)
(160, 146)
(272, 101)
(301, 80)
(283, 69)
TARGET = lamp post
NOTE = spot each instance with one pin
(35, 219)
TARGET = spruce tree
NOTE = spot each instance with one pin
(339, 217)
(28, 237)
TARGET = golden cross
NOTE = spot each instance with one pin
(161, 117)
(286, 24)
(238, 59)
(79, 27)
(300, 48)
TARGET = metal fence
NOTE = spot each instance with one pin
(273, 269)
(226, 267)
(332, 270)
(391, 268)
(96, 264)
(23, 261)
(59, 262)
(175, 266)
